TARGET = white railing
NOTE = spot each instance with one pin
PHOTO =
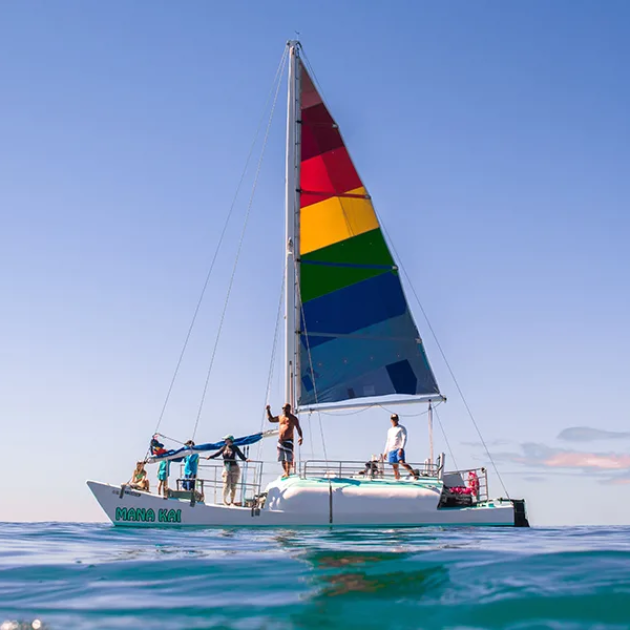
(209, 483)
(364, 470)
(466, 486)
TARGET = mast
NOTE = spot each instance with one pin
(292, 206)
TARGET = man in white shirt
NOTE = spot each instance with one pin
(395, 447)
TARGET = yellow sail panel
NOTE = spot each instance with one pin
(336, 219)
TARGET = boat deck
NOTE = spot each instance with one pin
(459, 488)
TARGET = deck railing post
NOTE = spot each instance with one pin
(485, 475)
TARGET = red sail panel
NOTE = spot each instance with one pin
(318, 138)
(327, 175)
(326, 170)
(309, 95)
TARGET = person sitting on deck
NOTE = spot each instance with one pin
(287, 422)
(191, 464)
(231, 471)
(139, 479)
(371, 467)
(395, 447)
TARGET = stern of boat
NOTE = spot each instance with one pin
(520, 513)
(465, 492)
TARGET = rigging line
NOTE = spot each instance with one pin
(273, 358)
(279, 71)
(170, 438)
(405, 415)
(274, 346)
(368, 408)
(448, 366)
(310, 362)
(332, 412)
(343, 415)
(238, 253)
(310, 437)
(448, 446)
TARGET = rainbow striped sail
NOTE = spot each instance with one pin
(358, 337)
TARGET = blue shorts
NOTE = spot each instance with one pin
(393, 458)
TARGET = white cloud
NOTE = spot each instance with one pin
(589, 434)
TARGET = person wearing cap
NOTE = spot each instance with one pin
(231, 469)
(191, 464)
(288, 423)
(394, 452)
(156, 447)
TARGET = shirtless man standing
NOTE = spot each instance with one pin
(288, 422)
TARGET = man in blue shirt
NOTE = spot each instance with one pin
(191, 463)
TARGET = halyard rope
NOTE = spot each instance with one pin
(238, 253)
(278, 74)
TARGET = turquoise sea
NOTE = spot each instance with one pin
(97, 577)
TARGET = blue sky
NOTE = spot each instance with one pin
(494, 139)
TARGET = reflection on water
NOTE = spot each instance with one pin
(385, 581)
(338, 559)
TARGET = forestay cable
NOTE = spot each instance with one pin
(238, 253)
(310, 362)
(448, 446)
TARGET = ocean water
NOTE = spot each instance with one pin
(64, 576)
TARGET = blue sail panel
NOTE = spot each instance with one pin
(354, 307)
(380, 360)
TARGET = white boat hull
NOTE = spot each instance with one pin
(296, 502)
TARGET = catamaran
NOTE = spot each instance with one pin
(350, 340)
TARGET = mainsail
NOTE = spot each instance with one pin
(358, 337)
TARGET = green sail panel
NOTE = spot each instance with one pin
(342, 264)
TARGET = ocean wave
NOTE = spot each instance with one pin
(96, 576)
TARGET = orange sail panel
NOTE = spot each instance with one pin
(358, 337)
